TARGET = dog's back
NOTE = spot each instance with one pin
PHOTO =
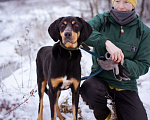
(42, 62)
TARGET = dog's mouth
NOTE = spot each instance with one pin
(67, 40)
(70, 43)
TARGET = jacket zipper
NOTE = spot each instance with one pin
(121, 31)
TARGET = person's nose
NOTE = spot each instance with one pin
(121, 6)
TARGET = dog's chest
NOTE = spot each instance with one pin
(68, 55)
(65, 67)
(65, 83)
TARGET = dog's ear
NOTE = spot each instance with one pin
(86, 30)
(53, 30)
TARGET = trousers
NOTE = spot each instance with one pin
(128, 104)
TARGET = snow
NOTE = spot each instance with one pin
(23, 32)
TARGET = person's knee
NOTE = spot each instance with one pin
(93, 94)
(87, 92)
(86, 87)
(93, 85)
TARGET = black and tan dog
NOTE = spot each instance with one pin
(59, 65)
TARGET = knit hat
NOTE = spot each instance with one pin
(133, 2)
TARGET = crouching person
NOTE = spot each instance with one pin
(122, 34)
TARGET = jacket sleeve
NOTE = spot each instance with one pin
(97, 39)
(141, 63)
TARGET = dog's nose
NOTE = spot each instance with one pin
(68, 34)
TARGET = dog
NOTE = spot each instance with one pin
(59, 65)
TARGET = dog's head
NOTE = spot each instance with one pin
(71, 31)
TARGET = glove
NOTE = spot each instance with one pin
(122, 73)
(119, 70)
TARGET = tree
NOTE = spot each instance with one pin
(142, 8)
(145, 15)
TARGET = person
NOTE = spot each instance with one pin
(122, 34)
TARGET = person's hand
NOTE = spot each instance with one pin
(120, 72)
(115, 52)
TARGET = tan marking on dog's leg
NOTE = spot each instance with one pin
(54, 111)
(40, 116)
(55, 82)
(57, 108)
(75, 83)
(74, 112)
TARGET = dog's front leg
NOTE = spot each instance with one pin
(52, 99)
(75, 98)
(75, 101)
(57, 108)
(41, 88)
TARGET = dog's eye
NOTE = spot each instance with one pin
(76, 25)
(62, 25)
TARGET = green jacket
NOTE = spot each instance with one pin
(134, 43)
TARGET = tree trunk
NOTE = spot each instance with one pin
(109, 3)
(91, 8)
(142, 9)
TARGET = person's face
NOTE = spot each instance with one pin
(123, 5)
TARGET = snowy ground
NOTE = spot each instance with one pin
(23, 31)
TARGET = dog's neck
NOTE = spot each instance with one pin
(70, 49)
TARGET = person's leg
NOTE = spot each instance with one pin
(93, 92)
(129, 106)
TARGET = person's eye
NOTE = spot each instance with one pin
(117, 1)
(126, 1)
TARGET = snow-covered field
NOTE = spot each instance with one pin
(23, 27)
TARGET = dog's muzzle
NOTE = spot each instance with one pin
(68, 37)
